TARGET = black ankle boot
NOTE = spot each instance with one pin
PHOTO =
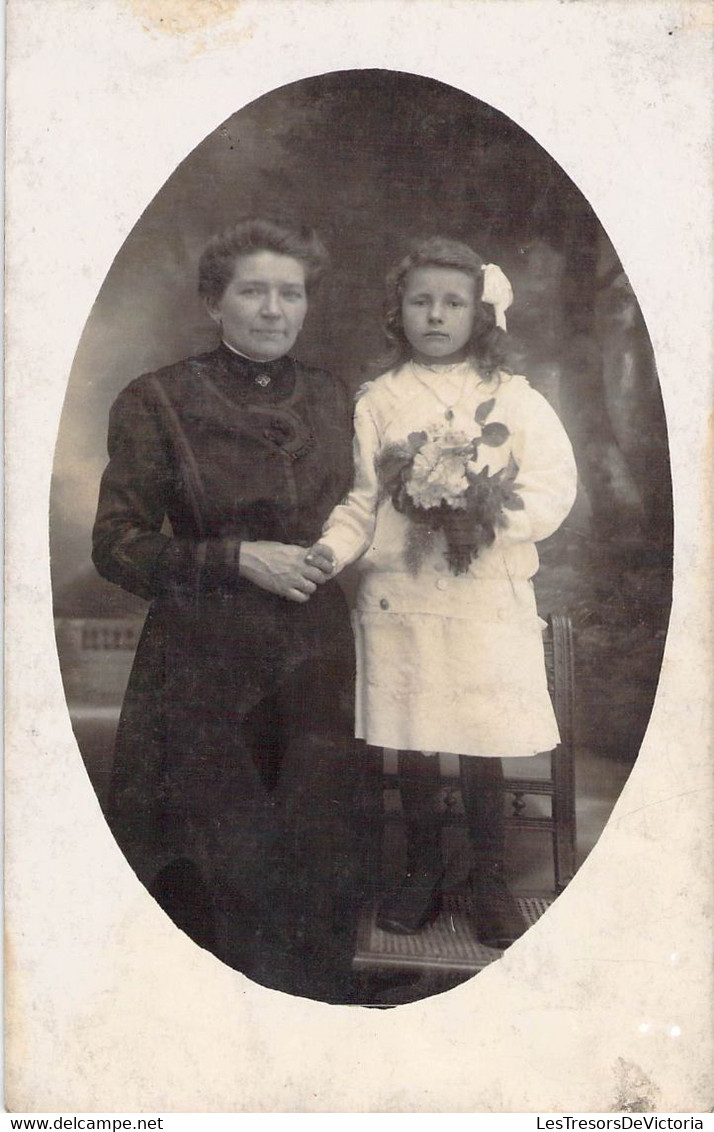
(498, 919)
(417, 900)
(416, 903)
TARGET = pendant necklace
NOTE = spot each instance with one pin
(450, 405)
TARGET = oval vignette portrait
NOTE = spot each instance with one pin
(361, 538)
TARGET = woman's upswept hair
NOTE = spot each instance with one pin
(254, 234)
(488, 347)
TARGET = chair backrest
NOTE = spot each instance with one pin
(560, 786)
(560, 634)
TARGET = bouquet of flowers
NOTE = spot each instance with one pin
(432, 478)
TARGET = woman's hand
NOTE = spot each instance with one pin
(323, 557)
(281, 569)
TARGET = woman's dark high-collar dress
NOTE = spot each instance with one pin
(234, 750)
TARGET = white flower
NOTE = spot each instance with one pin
(439, 468)
(426, 459)
(437, 477)
(447, 437)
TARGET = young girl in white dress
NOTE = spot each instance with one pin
(449, 643)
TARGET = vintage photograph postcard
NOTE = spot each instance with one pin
(359, 589)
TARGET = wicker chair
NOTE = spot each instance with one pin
(448, 945)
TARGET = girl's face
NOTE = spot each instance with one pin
(438, 311)
(262, 309)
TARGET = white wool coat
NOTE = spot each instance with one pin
(445, 662)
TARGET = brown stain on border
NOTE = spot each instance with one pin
(695, 17)
(635, 1090)
(698, 16)
(185, 18)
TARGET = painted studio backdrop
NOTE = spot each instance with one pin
(374, 159)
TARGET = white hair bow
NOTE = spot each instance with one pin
(497, 292)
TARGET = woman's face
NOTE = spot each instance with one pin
(263, 307)
(438, 310)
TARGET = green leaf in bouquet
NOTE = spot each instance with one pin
(510, 472)
(513, 502)
(401, 500)
(415, 441)
(483, 410)
(418, 543)
(426, 516)
(392, 465)
(509, 487)
(494, 434)
(392, 452)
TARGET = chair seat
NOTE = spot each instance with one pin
(448, 944)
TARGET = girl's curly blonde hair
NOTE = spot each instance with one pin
(488, 345)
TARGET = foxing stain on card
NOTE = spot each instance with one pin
(635, 1090)
(182, 17)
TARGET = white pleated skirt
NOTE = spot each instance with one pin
(471, 684)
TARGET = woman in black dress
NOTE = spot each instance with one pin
(236, 794)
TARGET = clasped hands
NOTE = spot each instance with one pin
(291, 572)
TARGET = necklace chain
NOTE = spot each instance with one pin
(449, 405)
